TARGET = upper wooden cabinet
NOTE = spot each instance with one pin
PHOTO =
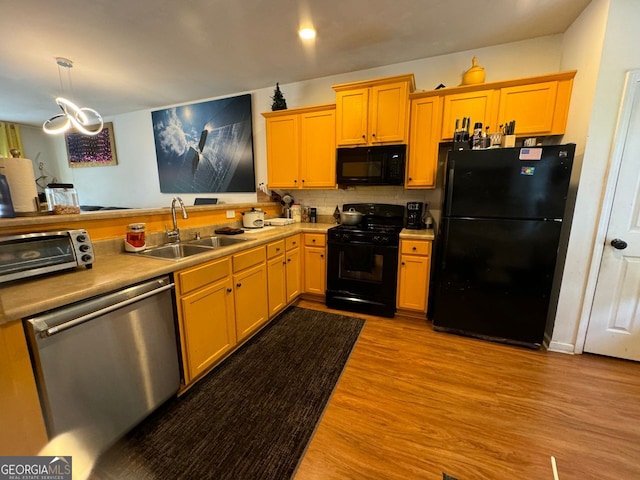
(424, 137)
(539, 105)
(373, 112)
(301, 147)
(480, 106)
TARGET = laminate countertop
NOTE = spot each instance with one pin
(114, 270)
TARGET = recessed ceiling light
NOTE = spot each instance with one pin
(307, 33)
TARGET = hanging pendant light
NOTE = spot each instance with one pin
(85, 120)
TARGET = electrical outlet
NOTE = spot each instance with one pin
(231, 214)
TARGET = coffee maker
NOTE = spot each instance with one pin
(415, 215)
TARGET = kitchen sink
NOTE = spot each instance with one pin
(175, 251)
(217, 242)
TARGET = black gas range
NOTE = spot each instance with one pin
(362, 261)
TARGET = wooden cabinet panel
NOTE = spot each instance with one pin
(318, 149)
(373, 112)
(479, 105)
(277, 284)
(413, 275)
(293, 241)
(315, 270)
(248, 258)
(389, 113)
(352, 117)
(283, 145)
(294, 274)
(208, 326)
(250, 295)
(23, 431)
(275, 248)
(424, 138)
(201, 275)
(301, 147)
(531, 106)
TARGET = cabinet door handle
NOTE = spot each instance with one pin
(313, 240)
(294, 243)
(410, 179)
(414, 249)
(288, 259)
(295, 181)
(229, 290)
(238, 284)
(373, 135)
(363, 136)
(284, 263)
(321, 255)
(277, 249)
(402, 263)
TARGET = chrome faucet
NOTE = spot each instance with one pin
(174, 235)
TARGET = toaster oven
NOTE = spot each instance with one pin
(31, 254)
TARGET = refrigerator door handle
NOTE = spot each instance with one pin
(449, 198)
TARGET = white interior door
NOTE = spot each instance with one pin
(614, 324)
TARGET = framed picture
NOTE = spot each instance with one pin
(92, 150)
(205, 147)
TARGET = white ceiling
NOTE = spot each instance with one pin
(142, 54)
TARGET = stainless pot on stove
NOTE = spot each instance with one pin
(351, 217)
(253, 218)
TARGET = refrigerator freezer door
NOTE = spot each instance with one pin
(508, 182)
(494, 278)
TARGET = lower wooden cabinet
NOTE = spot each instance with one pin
(250, 291)
(284, 273)
(23, 431)
(413, 276)
(206, 315)
(315, 263)
(220, 303)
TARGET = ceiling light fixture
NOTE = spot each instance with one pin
(85, 120)
(307, 33)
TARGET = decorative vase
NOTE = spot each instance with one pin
(474, 75)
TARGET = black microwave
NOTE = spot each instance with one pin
(371, 165)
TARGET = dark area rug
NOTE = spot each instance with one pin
(250, 418)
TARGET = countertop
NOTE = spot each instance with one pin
(24, 298)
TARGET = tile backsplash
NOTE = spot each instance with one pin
(326, 200)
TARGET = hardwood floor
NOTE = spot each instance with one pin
(413, 403)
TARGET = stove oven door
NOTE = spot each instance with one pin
(362, 277)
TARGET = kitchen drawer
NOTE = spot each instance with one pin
(248, 258)
(275, 248)
(196, 277)
(415, 247)
(315, 239)
(293, 242)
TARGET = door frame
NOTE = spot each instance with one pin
(631, 89)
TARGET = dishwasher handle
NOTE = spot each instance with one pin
(90, 316)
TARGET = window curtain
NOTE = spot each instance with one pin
(10, 139)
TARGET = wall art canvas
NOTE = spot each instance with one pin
(205, 147)
(92, 150)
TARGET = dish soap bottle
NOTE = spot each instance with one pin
(336, 214)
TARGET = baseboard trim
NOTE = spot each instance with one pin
(560, 347)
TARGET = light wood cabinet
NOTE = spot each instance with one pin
(206, 315)
(480, 106)
(250, 291)
(315, 263)
(413, 276)
(301, 147)
(293, 267)
(539, 105)
(283, 273)
(424, 138)
(373, 112)
(23, 431)
(538, 108)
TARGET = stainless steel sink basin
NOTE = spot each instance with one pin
(217, 242)
(175, 251)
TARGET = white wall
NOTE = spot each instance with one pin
(134, 181)
(619, 55)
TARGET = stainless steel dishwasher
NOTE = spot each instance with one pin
(104, 364)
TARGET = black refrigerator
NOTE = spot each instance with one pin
(498, 241)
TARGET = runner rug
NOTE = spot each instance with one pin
(250, 418)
